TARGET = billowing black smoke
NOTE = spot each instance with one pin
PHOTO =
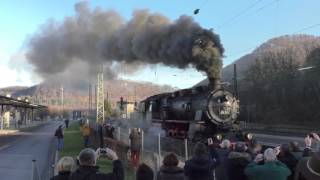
(97, 37)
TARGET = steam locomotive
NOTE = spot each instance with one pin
(197, 113)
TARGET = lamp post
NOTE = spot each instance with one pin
(62, 104)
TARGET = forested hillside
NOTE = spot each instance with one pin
(271, 87)
(50, 95)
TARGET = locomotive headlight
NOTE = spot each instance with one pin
(219, 137)
(249, 136)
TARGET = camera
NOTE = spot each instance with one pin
(103, 151)
(311, 135)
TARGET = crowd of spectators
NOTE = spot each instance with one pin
(225, 161)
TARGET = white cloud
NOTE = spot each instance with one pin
(11, 77)
(12, 72)
(159, 74)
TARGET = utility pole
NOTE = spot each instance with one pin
(100, 99)
(135, 93)
(90, 99)
(235, 81)
(95, 96)
(62, 104)
(100, 106)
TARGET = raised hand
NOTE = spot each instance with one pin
(316, 136)
(111, 154)
(308, 141)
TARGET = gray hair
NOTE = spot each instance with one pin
(87, 157)
(269, 155)
(66, 163)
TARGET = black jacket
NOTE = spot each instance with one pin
(170, 173)
(297, 154)
(59, 133)
(221, 173)
(200, 168)
(291, 162)
(236, 163)
(109, 132)
(92, 173)
(61, 176)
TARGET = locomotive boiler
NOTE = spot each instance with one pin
(195, 113)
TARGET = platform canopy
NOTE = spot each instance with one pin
(9, 101)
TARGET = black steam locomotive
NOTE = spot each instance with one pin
(197, 113)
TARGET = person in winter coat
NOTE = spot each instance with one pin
(66, 122)
(144, 172)
(89, 171)
(237, 162)
(294, 149)
(64, 167)
(272, 169)
(59, 136)
(288, 159)
(170, 170)
(255, 149)
(135, 146)
(201, 165)
(85, 130)
(109, 131)
(308, 168)
(223, 153)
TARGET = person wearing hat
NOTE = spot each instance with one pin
(135, 147)
(223, 152)
(170, 169)
(237, 162)
(201, 165)
(272, 169)
(308, 168)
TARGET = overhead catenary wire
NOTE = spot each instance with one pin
(267, 4)
(307, 28)
(295, 32)
(251, 6)
(236, 16)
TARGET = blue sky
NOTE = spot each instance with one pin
(241, 24)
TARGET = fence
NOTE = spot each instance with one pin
(154, 146)
(15, 125)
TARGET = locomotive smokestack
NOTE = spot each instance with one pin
(214, 83)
